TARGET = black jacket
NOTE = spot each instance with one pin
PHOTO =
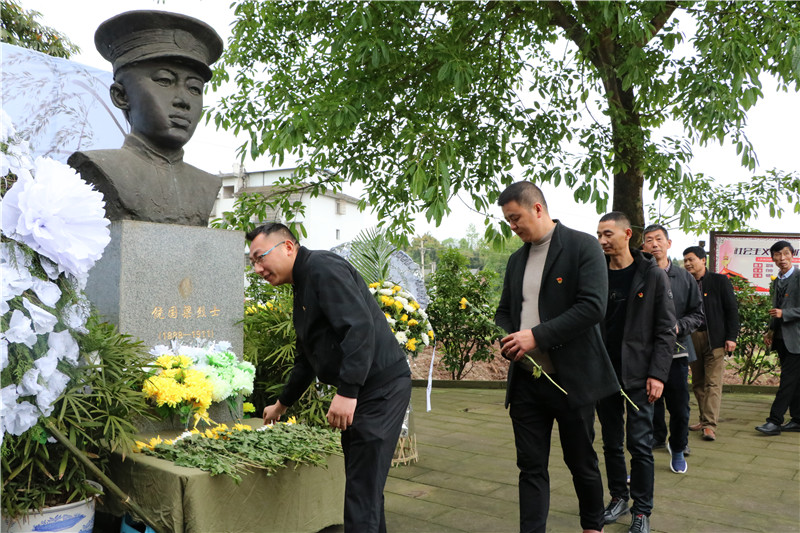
(343, 337)
(572, 302)
(648, 341)
(688, 308)
(721, 309)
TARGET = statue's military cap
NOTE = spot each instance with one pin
(137, 36)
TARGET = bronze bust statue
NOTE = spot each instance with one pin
(161, 63)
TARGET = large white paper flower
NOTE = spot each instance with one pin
(47, 291)
(63, 346)
(58, 215)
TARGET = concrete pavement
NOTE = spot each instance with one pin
(465, 480)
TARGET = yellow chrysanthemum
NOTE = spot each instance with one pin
(242, 427)
(411, 345)
(248, 407)
(413, 322)
(374, 285)
(404, 318)
(396, 289)
(463, 303)
(398, 305)
(430, 333)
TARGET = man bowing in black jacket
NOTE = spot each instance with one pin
(554, 297)
(343, 339)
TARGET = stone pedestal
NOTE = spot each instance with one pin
(164, 282)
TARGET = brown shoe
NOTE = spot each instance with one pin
(696, 427)
(708, 434)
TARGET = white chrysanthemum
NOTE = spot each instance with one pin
(425, 339)
(371, 290)
(401, 300)
(422, 314)
(391, 321)
(401, 337)
(58, 215)
(386, 292)
(409, 309)
(404, 294)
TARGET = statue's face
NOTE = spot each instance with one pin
(164, 101)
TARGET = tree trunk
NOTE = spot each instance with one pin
(628, 141)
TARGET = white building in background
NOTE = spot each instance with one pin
(330, 219)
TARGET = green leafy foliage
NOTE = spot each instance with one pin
(464, 335)
(21, 28)
(371, 254)
(96, 412)
(270, 345)
(752, 358)
(418, 101)
(236, 452)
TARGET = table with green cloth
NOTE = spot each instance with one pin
(189, 500)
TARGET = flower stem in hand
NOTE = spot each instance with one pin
(538, 371)
(628, 398)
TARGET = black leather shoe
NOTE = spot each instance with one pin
(769, 429)
(640, 524)
(614, 510)
(791, 426)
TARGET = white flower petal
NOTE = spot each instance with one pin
(43, 321)
(63, 346)
(3, 353)
(19, 329)
(20, 417)
(46, 365)
(76, 315)
(48, 395)
(29, 384)
(47, 291)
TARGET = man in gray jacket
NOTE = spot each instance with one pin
(688, 311)
(639, 334)
(784, 336)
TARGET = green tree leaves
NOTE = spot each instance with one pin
(418, 101)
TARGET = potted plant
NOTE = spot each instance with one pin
(69, 384)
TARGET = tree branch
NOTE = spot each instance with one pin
(659, 20)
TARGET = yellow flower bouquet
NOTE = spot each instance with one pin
(408, 320)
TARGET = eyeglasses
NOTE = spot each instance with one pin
(258, 259)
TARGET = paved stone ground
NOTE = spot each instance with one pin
(465, 480)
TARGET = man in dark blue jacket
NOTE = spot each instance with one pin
(343, 339)
(553, 300)
(639, 332)
(689, 313)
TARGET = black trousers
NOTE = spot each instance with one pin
(368, 446)
(535, 404)
(638, 431)
(676, 396)
(788, 395)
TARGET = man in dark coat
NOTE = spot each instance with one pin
(639, 333)
(689, 314)
(712, 340)
(343, 339)
(553, 299)
(784, 336)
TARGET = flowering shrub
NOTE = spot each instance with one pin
(409, 322)
(464, 336)
(188, 378)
